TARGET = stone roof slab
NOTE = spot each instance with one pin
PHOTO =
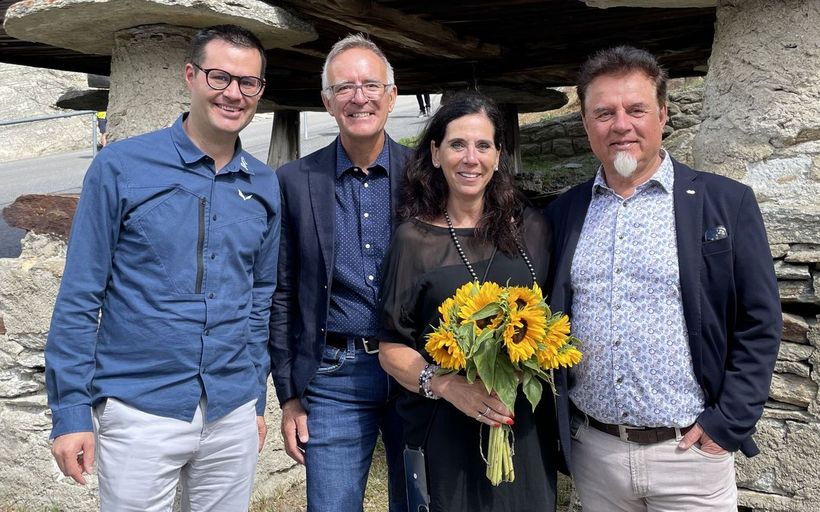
(88, 26)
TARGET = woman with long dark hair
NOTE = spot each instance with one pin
(463, 220)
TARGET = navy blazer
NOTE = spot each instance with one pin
(306, 263)
(729, 292)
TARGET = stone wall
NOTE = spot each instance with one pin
(29, 477)
(30, 92)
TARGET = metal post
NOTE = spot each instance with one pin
(94, 135)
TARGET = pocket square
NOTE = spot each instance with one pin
(716, 233)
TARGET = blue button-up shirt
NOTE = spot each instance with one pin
(637, 366)
(362, 238)
(178, 264)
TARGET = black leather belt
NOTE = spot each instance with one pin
(638, 435)
(336, 340)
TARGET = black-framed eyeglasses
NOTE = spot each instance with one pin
(219, 80)
(371, 90)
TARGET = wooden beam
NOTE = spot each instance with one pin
(390, 24)
(284, 138)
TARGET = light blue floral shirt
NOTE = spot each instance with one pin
(637, 366)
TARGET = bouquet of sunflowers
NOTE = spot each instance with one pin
(504, 335)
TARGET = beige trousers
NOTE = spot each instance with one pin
(141, 458)
(613, 475)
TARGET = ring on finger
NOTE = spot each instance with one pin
(479, 416)
(486, 410)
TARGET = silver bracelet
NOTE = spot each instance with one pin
(425, 377)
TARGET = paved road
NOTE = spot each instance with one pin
(63, 173)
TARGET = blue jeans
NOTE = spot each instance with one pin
(348, 403)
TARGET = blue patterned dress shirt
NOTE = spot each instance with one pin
(637, 366)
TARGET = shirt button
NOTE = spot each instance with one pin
(370, 278)
(211, 295)
(617, 270)
(617, 343)
(322, 329)
(619, 380)
(624, 414)
(367, 246)
(621, 236)
(623, 204)
(214, 217)
(366, 215)
(207, 332)
(213, 256)
(366, 185)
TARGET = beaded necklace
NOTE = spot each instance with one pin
(469, 265)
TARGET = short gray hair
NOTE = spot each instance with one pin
(353, 41)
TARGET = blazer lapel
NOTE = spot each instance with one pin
(688, 197)
(397, 161)
(575, 223)
(322, 189)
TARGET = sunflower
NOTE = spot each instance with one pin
(566, 356)
(443, 347)
(487, 294)
(522, 297)
(446, 310)
(522, 332)
(558, 329)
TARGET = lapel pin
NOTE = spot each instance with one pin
(690, 192)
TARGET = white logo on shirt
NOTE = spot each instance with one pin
(243, 196)
(242, 163)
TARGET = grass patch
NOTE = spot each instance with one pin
(410, 142)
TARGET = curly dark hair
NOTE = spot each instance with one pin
(425, 193)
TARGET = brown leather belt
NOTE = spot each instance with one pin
(639, 435)
(336, 340)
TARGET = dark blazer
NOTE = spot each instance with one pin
(306, 263)
(729, 292)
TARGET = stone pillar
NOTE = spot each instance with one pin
(147, 79)
(761, 125)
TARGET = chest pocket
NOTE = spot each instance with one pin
(171, 221)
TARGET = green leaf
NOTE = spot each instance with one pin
(487, 311)
(485, 360)
(532, 389)
(472, 371)
(506, 383)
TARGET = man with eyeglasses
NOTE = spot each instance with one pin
(157, 360)
(337, 222)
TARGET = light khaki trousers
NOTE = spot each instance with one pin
(613, 475)
(141, 458)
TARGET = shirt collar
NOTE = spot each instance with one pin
(343, 162)
(191, 154)
(663, 178)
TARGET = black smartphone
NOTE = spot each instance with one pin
(415, 470)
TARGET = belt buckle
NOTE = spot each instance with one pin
(366, 344)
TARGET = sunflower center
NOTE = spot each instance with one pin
(520, 334)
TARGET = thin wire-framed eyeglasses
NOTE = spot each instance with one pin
(219, 80)
(371, 90)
